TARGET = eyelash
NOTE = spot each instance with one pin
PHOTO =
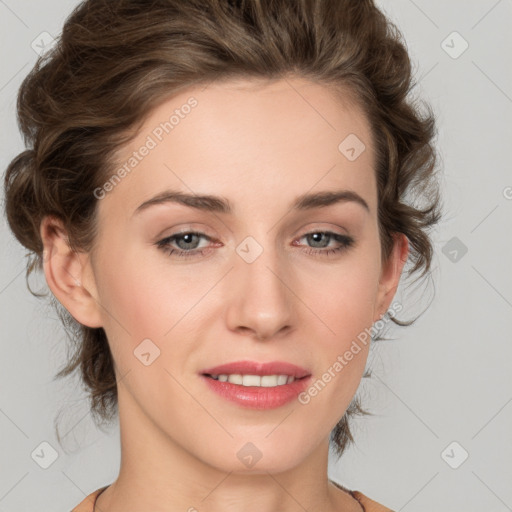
(345, 241)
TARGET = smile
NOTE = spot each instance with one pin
(265, 381)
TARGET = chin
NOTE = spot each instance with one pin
(259, 458)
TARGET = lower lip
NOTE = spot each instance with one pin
(255, 397)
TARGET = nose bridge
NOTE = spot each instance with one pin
(260, 299)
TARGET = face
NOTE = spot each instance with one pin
(180, 289)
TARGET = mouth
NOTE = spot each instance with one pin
(259, 374)
(247, 380)
(256, 385)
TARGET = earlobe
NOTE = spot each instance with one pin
(68, 274)
(391, 272)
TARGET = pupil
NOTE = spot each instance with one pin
(317, 237)
(187, 239)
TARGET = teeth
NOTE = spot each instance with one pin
(283, 379)
(264, 381)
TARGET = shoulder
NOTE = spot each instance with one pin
(87, 505)
(368, 504)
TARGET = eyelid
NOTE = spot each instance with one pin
(298, 239)
(202, 230)
(188, 228)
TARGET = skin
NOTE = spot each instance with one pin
(260, 145)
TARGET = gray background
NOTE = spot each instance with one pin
(446, 379)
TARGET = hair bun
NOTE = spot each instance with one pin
(21, 205)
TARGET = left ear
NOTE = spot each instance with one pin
(390, 274)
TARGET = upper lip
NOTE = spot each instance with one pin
(256, 368)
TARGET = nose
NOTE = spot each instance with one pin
(261, 298)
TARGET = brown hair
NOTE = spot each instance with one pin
(118, 59)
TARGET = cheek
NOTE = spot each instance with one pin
(345, 305)
(142, 298)
(127, 303)
(344, 296)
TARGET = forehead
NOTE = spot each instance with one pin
(246, 138)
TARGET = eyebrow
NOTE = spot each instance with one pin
(220, 204)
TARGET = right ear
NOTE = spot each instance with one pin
(69, 274)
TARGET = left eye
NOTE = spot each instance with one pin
(187, 243)
(344, 242)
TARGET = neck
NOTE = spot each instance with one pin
(157, 474)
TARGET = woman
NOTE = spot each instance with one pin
(216, 193)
